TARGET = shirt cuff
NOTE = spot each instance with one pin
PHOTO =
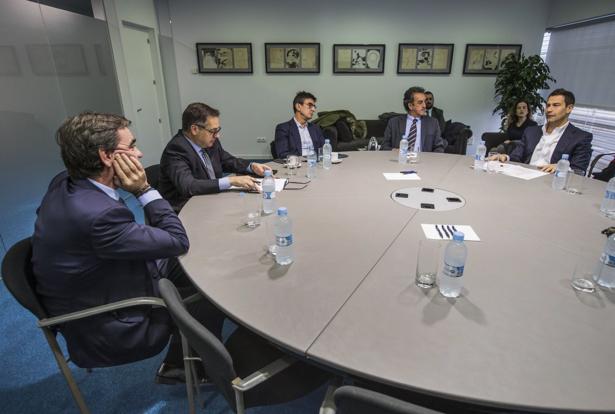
(224, 183)
(249, 169)
(149, 196)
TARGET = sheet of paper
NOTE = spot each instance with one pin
(400, 176)
(518, 171)
(280, 183)
(431, 231)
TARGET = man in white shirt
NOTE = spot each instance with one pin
(298, 136)
(543, 146)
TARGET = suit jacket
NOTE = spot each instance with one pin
(288, 141)
(574, 142)
(438, 114)
(88, 251)
(431, 137)
(183, 175)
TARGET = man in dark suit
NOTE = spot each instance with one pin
(89, 251)
(414, 125)
(194, 161)
(298, 136)
(434, 112)
(543, 146)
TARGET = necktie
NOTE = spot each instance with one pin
(412, 135)
(208, 166)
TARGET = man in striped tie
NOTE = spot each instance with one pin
(423, 132)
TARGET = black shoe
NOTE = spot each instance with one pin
(169, 374)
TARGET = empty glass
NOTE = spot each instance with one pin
(292, 162)
(575, 181)
(373, 144)
(583, 277)
(320, 157)
(427, 261)
(413, 157)
(252, 210)
(492, 165)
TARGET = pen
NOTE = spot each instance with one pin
(408, 172)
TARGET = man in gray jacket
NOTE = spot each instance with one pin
(422, 132)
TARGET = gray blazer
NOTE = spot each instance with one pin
(431, 137)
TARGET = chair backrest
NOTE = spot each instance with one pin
(153, 175)
(355, 400)
(19, 278)
(216, 359)
(493, 139)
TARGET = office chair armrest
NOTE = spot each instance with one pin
(192, 298)
(595, 160)
(56, 320)
(262, 374)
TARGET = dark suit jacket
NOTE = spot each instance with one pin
(431, 138)
(574, 142)
(438, 114)
(183, 175)
(288, 140)
(88, 251)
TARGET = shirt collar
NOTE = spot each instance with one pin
(557, 130)
(196, 147)
(111, 192)
(299, 124)
(410, 118)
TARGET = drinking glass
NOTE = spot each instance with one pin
(320, 157)
(292, 162)
(492, 165)
(373, 144)
(583, 277)
(427, 260)
(576, 181)
(413, 157)
(252, 209)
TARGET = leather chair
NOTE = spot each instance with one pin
(153, 175)
(19, 280)
(493, 139)
(355, 400)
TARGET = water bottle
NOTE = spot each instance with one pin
(479, 157)
(283, 230)
(608, 203)
(403, 150)
(312, 160)
(268, 193)
(561, 173)
(326, 155)
(455, 254)
(605, 274)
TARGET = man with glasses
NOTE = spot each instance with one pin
(88, 250)
(194, 161)
(297, 136)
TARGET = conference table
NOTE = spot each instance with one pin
(518, 336)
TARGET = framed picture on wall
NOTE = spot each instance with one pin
(486, 59)
(361, 59)
(292, 57)
(224, 57)
(425, 58)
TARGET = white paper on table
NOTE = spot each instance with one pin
(517, 171)
(432, 233)
(400, 176)
(280, 183)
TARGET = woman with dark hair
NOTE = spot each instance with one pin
(519, 118)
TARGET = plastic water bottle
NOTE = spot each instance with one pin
(605, 274)
(561, 173)
(403, 150)
(327, 149)
(312, 159)
(268, 193)
(608, 203)
(479, 157)
(283, 230)
(455, 254)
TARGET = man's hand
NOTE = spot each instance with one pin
(259, 169)
(499, 157)
(129, 173)
(244, 181)
(549, 168)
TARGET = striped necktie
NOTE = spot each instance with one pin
(208, 166)
(412, 135)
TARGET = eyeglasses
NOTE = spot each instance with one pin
(310, 106)
(214, 131)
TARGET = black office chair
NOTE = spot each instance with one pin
(493, 139)
(19, 280)
(153, 175)
(607, 173)
(246, 370)
(355, 400)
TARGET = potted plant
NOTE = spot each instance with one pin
(521, 78)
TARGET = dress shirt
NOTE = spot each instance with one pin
(545, 147)
(144, 199)
(429, 112)
(306, 139)
(417, 143)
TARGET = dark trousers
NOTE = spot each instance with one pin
(202, 309)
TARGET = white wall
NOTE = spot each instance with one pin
(568, 11)
(252, 105)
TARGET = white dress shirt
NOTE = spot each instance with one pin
(545, 147)
(306, 139)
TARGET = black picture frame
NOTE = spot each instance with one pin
(224, 57)
(297, 58)
(486, 59)
(360, 59)
(425, 58)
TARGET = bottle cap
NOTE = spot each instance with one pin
(565, 156)
(327, 141)
(267, 173)
(458, 235)
(282, 211)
